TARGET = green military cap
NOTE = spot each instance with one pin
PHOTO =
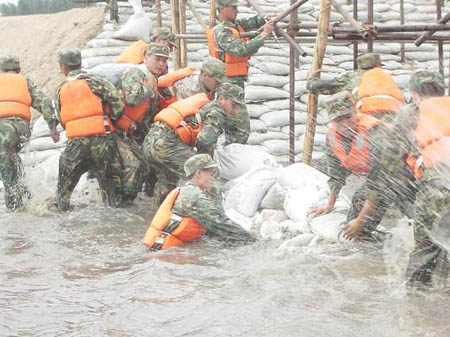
(157, 49)
(340, 105)
(198, 162)
(427, 83)
(70, 56)
(132, 83)
(9, 62)
(164, 34)
(233, 91)
(224, 3)
(369, 60)
(215, 68)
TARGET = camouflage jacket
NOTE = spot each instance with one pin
(100, 87)
(346, 81)
(206, 207)
(338, 173)
(189, 86)
(228, 43)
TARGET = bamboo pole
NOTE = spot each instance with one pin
(292, 61)
(197, 15)
(212, 13)
(355, 24)
(440, 45)
(158, 13)
(402, 22)
(355, 44)
(319, 53)
(428, 34)
(182, 23)
(175, 30)
(370, 22)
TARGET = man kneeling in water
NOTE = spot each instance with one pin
(192, 210)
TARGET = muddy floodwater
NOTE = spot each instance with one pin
(85, 273)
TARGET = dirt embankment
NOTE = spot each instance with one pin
(35, 39)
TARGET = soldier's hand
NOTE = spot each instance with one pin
(54, 134)
(267, 29)
(316, 211)
(353, 229)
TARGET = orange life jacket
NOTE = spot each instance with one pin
(433, 131)
(234, 66)
(168, 80)
(82, 111)
(167, 229)
(357, 159)
(175, 114)
(15, 98)
(134, 54)
(377, 92)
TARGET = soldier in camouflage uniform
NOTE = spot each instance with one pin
(342, 115)
(201, 200)
(164, 36)
(168, 152)
(15, 131)
(95, 152)
(226, 42)
(114, 11)
(348, 81)
(135, 92)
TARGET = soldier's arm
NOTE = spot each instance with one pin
(41, 103)
(227, 42)
(338, 174)
(109, 94)
(213, 120)
(238, 130)
(56, 104)
(251, 23)
(328, 87)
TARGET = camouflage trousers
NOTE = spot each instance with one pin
(167, 157)
(428, 262)
(14, 132)
(134, 166)
(402, 197)
(96, 153)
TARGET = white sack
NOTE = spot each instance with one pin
(289, 246)
(259, 93)
(112, 71)
(300, 175)
(138, 26)
(298, 201)
(329, 226)
(46, 143)
(240, 219)
(241, 158)
(274, 198)
(248, 191)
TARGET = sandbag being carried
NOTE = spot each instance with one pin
(112, 71)
(138, 26)
(234, 160)
(248, 191)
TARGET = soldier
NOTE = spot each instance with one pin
(194, 209)
(114, 11)
(226, 45)
(164, 37)
(374, 92)
(353, 147)
(17, 94)
(171, 140)
(138, 97)
(88, 107)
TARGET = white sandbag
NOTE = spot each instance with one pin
(274, 198)
(272, 224)
(112, 71)
(301, 175)
(90, 62)
(241, 220)
(329, 226)
(256, 110)
(50, 167)
(260, 93)
(101, 43)
(298, 201)
(320, 140)
(106, 51)
(257, 125)
(257, 138)
(36, 157)
(248, 191)
(273, 68)
(46, 143)
(281, 118)
(240, 159)
(289, 246)
(268, 80)
(138, 27)
(281, 147)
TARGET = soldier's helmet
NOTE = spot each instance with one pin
(427, 83)
(70, 56)
(9, 62)
(198, 162)
(132, 83)
(215, 68)
(369, 60)
(233, 91)
(157, 49)
(224, 3)
(163, 33)
(340, 105)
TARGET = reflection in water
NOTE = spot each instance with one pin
(85, 273)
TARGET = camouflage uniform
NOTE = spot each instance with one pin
(14, 133)
(205, 206)
(98, 152)
(168, 153)
(135, 166)
(114, 11)
(226, 42)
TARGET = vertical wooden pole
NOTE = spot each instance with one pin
(158, 13)
(402, 22)
(175, 30)
(440, 44)
(370, 21)
(319, 53)
(183, 42)
(293, 60)
(212, 13)
(355, 44)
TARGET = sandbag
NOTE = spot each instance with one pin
(260, 93)
(138, 26)
(281, 118)
(112, 71)
(36, 157)
(268, 80)
(329, 226)
(300, 175)
(298, 201)
(273, 68)
(240, 159)
(248, 191)
(46, 143)
(240, 219)
(274, 198)
(289, 247)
